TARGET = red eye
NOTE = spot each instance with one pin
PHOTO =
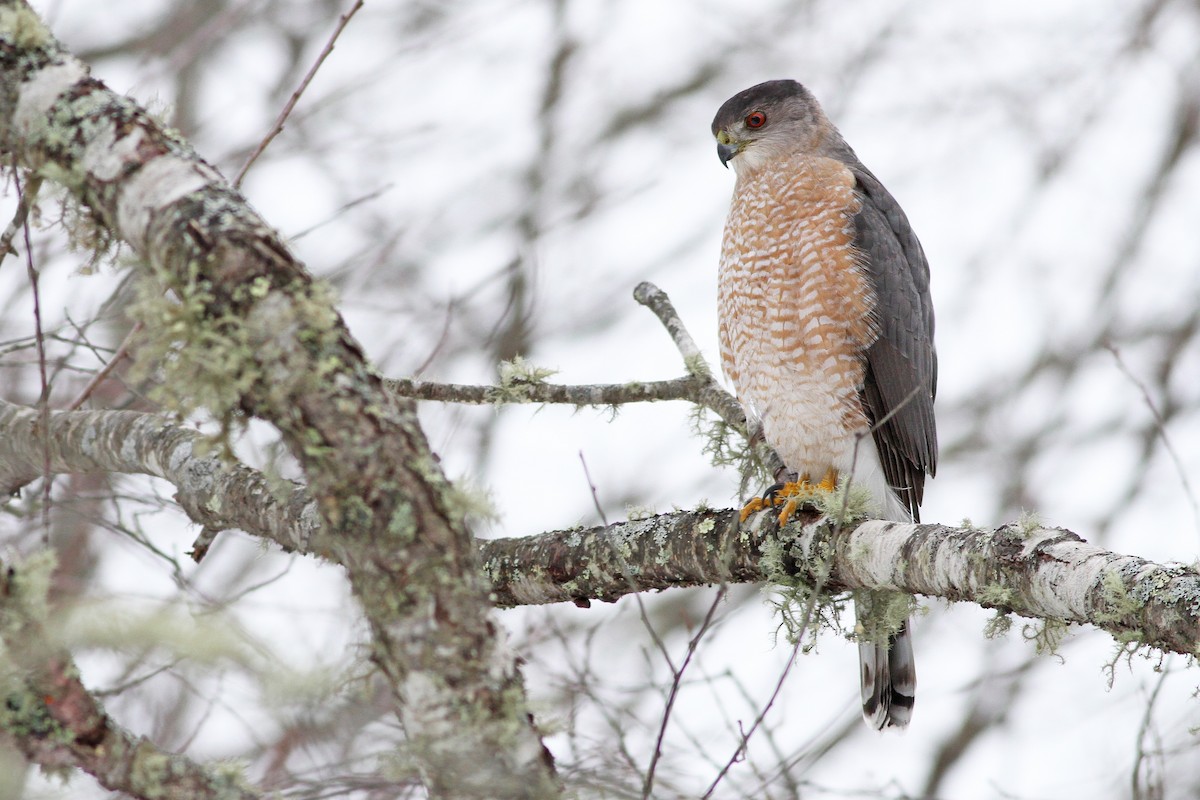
(756, 120)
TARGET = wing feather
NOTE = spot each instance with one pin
(901, 378)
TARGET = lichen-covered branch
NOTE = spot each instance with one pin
(244, 329)
(1046, 573)
(603, 394)
(711, 395)
(525, 385)
(214, 492)
(56, 722)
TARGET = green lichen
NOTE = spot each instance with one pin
(469, 501)
(25, 586)
(636, 513)
(402, 526)
(1118, 603)
(28, 586)
(726, 446)
(696, 365)
(845, 505)
(516, 377)
(21, 26)
(1029, 523)
(25, 715)
(195, 360)
(994, 594)
(1047, 635)
(803, 608)
(197, 638)
(259, 287)
(1124, 651)
(999, 625)
(881, 613)
(1001, 598)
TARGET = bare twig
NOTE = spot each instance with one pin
(100, 376)
(1161, 426)
(1143, 785)
(24, 205)
(40, 339)
(711, 395)
(676, 684)
(657, 301)
(739, 753)
(295, 98)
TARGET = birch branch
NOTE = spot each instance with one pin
(1045, 573)
(1033, 571)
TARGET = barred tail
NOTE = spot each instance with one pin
(889, 680)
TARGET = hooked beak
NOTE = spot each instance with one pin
(726, 151)
(727, 147)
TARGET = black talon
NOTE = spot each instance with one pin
(769, 495)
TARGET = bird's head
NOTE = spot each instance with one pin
(769, 120)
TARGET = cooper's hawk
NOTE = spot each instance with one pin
(826, 328)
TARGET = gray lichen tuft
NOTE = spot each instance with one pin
(881, 613)
(193, 359)
(803, 607)
(727, 446)
(1047, 635)
(845, 505)
(21, 26)
(516, 377)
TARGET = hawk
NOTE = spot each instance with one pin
(826, 329)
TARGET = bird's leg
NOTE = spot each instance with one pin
(787, 484)
(803, 490)
(829, 482)
(791, 492)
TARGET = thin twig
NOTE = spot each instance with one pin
(295, 98)
(676, 685)
(25, 204)
(740, 752)
(711, 395)
(628, 574)
(657, 301)
(686, 388)
(1161, 424)
(676, 672)
(100, 376)
(40, 340)
(1145, 731)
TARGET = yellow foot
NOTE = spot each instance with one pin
(829, 483)
(755, 504)
(792, 495)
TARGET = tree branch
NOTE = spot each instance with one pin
(698, 386)
(56, 722)
(1033, 571)
(599, 394)
(254, 334)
